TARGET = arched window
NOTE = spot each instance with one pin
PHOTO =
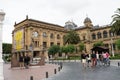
(58, 36)
(111, 34)
(44, 34)
(105, 34)
(93, 36)
(99, 35)
(51, 36)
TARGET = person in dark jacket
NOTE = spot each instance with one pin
(26, 61)
(21, 61)
(93, 57)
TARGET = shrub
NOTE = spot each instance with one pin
(117, 56)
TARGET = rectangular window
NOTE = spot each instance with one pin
(58, 44)
(84, 38)
(44, 44)
(52, 43)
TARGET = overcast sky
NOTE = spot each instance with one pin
(56, 12)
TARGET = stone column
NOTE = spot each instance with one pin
(2, 14)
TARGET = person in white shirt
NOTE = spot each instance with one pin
(98, 59)
(88, 59)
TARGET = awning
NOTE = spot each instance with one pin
(100, 48)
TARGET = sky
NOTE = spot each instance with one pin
(56, 12)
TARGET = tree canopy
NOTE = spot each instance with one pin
(81, 47)
(71, 48)
(118, 44)
(100, 43)
(7, 48)
(53, 49)
(71, 38)
(115, 24)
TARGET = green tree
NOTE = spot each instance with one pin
(68, 49)
(115, 28)
(71, 48)
(81, 47)
(53, 50)
(118, 44)
(7, 48)
(71, 38)
(100, 43)
(64, 49)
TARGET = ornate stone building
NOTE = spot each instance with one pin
(34, 37)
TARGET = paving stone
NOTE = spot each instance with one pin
(75, 71)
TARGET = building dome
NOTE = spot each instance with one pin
(87, 20)
(70, 25)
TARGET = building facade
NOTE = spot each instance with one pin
(33, 37)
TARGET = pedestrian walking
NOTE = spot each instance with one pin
(93, 58)
(88, 56)
(21, 61)
(98, 58)
(83, 59)
(104, 58)
(27, 61)
(107, 58)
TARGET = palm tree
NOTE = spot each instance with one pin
(71, 38)
(115, 28)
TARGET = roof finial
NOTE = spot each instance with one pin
(15, 22)
(71, 20)
(86, 15)
(26, 16)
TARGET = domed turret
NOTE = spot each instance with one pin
(88, 22)
(70, 25)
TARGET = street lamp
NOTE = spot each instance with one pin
(112, 50)
(32, 47)
(2, 14)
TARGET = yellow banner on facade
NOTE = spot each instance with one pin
(18, 38)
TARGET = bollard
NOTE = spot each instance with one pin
(58, 63)
(118, 64)
(31, 77)
(55, 71)
(61, 65)
(46, 74)
(58, 68)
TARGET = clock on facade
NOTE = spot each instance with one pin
(35, 34)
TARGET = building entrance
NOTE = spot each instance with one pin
(36, 54)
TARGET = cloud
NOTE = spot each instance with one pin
(69, 7)
(56, 12)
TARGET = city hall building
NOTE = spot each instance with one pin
(33, 36)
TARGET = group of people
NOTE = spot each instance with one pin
(24, 61)
(95, 58)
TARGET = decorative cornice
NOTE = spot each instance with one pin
(40, 24)
(100, 28)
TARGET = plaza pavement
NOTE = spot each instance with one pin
(38, 72)
(75, 71)
(71, 71)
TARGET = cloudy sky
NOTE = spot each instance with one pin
(56, 12)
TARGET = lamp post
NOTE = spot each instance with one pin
(32, 48)
(2, 14)
(112, 50)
